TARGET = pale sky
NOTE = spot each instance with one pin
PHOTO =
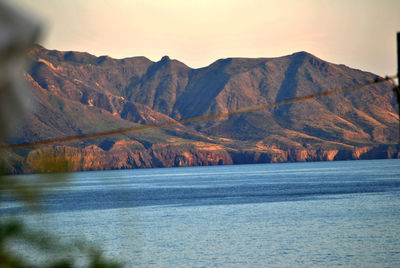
(357, 33)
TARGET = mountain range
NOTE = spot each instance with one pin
(76, 93)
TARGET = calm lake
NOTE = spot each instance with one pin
(319, 214)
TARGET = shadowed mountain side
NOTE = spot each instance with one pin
(77, 93)
(161, 85)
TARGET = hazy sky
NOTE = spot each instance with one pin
(358, 33)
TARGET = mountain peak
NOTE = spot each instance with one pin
(35, 48)
(165, 59)
(303, 54)
(104, 59)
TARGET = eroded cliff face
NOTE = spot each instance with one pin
(121, 157)
(278, 156)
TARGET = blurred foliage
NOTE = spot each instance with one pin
(59, 254)
(14, 232)
(52, 164)
(18, 32)
(30, 191)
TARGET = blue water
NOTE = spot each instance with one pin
(280, 215)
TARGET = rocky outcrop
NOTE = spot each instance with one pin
(127, 155)
(304, 155)
(131, 155)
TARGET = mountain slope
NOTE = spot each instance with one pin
(77, 93)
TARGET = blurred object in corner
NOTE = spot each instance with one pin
(18, 32)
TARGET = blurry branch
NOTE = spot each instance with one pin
(50, 163)
(18, 31)
(59, 254)
(30, 191)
